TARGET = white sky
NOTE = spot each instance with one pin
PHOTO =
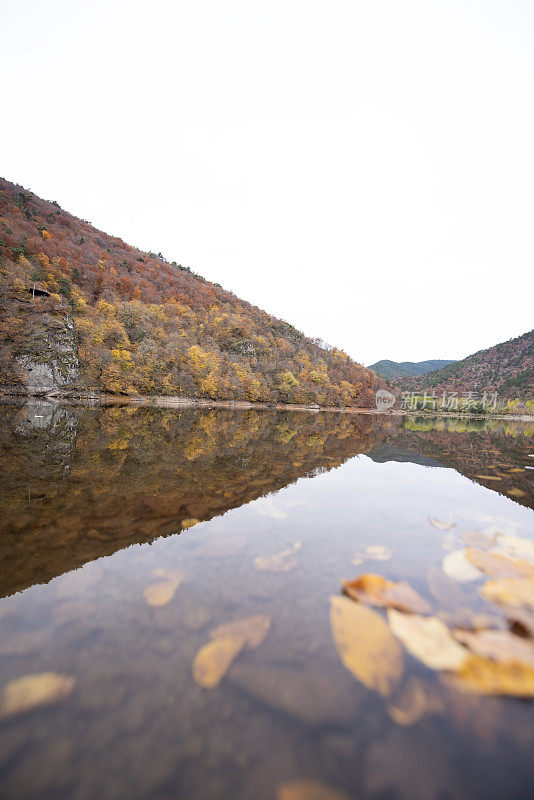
(364, 170)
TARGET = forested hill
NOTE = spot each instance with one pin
(146, 325)
(403, 369)
(506, 368)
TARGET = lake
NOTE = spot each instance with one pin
(167, 580)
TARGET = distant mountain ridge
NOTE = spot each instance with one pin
(506, 368)
(404, 369)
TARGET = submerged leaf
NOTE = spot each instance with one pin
(456, 566)
(483, 676)
(34, 691)
(510, 591)
(365, 645)
(413, 702)
(281, 562)
(441, 526)
(446, 590)
(501, 646)
(307, 789)
(428, 639)
(252, 629)
(378, 591)
(213, 660)
(160, 593)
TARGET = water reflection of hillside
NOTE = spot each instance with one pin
(79, 485)
(494, 453)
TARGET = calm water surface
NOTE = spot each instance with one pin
(96, 506)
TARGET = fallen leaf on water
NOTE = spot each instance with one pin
(478, 539)
(497, 565)
(456, 566)
(468, 620)
(501, 646)
(441, 526)
(307, 789)
(188, 523)
(510, 591)
(378, 591)
(365, 645)
(281, 562)
(413, 702)
(516, 546)
(428, 639)
(160, 593)
(33, 691)
(483, 676)
(521, 621)
(213, 660)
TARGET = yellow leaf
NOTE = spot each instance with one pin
(378, 591)
(33, 691)
(214, 659)
(482, 676)
(307, 789)
(428, 639)
(510, 591)
(365, 645)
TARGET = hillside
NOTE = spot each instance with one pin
(403, 369)
(110, 317)
(506, 368)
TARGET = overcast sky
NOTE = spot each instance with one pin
(364, 170)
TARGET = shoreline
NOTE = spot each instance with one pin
(176, 401)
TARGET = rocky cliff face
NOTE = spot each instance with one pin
(50, 358)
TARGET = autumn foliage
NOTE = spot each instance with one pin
(148, 326)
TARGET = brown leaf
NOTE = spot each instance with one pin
(34, 691)
(378, 591)
(521, 621)
(501, 646)
(428, 639)
(307, 789)
(365, 645)
(498, 566)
